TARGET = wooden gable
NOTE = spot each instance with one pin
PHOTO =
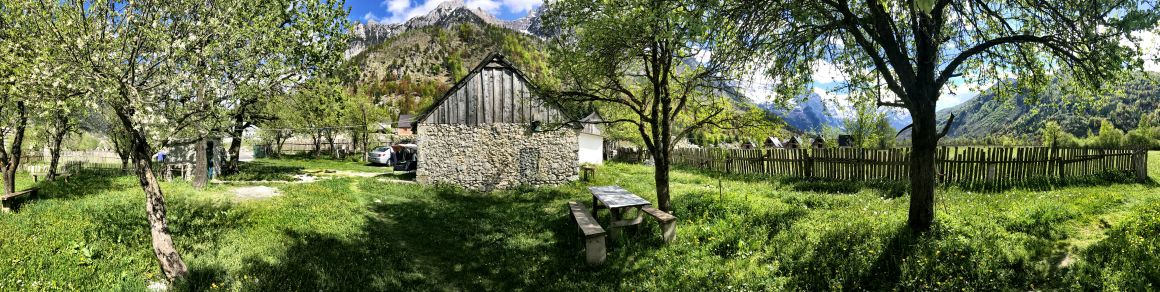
(493, 92)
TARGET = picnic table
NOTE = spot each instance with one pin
(618, 201)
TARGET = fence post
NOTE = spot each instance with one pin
(1056, 162)
(1140, 159)
(808, 162)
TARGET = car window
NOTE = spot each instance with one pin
(381, 149)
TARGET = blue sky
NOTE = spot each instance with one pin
(396, 11)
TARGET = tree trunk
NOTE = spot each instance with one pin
(200, 164)
(231, 166)
(163, 247)
(57, 138)
(317, 143)
(661, 177)
(922, 169)
(11, 158)
(279, 141)
(330, 141)
(123, 152)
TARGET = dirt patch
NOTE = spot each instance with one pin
(256, 193)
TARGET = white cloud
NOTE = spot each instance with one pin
(1150, 45)
(370, 17)
(521, 5)
(401, 10)
(826, 72)
(955, 93)
(486, 5)
(397, 6)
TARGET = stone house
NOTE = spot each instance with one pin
(491, 131)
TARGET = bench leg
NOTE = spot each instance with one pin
(595, 250)
(669, 231)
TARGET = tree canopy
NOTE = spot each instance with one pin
(905, 53)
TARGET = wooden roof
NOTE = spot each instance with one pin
(493, 92)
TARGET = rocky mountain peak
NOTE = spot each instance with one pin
(449, 13)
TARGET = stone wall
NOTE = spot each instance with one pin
(495, 156)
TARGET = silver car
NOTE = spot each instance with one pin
(381, 155)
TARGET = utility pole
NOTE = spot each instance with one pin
(366, 153)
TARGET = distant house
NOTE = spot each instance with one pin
(748, 145)
(819, 143)
(772, 143)
(405, 126)
(492, 131)
(793, 143)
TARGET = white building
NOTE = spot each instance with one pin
(591, 141)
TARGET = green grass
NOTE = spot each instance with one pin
(284, 169)
(362, 234)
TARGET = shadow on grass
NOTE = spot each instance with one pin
(885, 271)
(263, 171)
(83, 184)
(895, 189)
(398, 175)
(448, 240)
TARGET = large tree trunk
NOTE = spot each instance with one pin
(200, 164)
(11, 158)
(922, 168)
(163, 247)
(661, 177)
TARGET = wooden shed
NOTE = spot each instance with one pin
(491, 131)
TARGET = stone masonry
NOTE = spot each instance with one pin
(495, 156)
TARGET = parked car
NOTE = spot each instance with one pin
(381, 156)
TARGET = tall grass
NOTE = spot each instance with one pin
(751, 234)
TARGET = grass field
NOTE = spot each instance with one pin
(363, 234)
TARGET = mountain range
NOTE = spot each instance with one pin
(447, 14)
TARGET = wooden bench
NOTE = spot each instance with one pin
(668, 222)
(593, 234)
(11, 201)
(38, 171)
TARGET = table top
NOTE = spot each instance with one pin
(616, 197)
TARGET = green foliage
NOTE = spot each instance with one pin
(1109, 135)
(869, 127)
(1053, 135)
(1131, 104)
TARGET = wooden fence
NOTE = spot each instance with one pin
(954, 164)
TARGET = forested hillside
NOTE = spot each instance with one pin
(409, 71)
(989, 115)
